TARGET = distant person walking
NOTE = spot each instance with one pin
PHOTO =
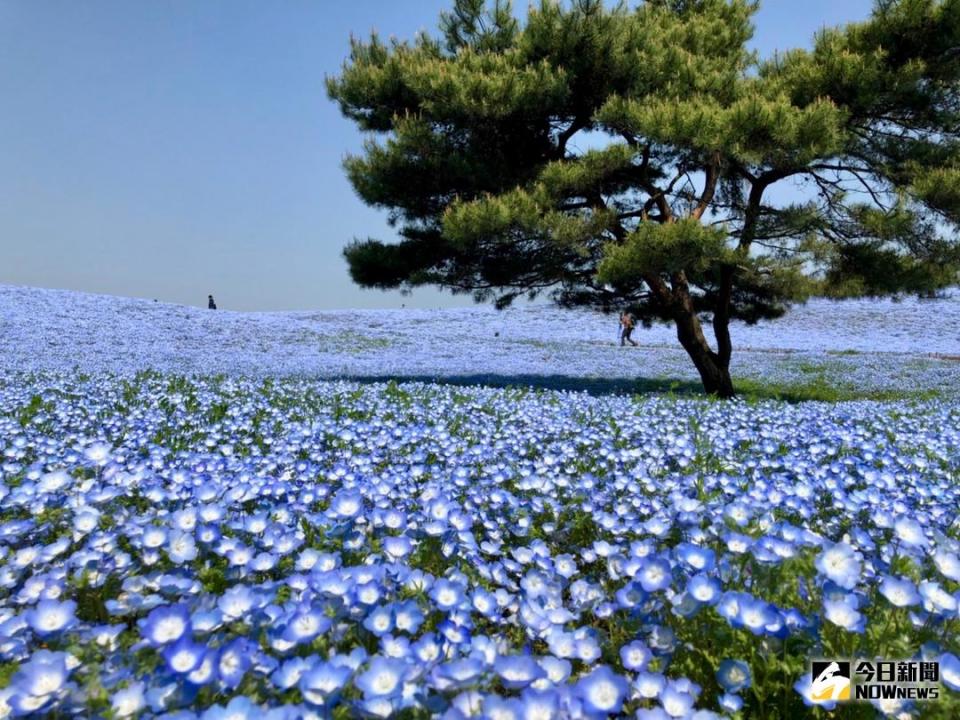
(211, 305)
(627, 323)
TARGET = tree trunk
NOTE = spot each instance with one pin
(714, 368)
(714, 371)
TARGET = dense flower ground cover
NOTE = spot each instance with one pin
(240, 548)
(867, 347)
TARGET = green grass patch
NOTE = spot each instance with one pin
(821, 390)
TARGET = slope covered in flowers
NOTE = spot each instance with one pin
(869, 346)
(216, 548)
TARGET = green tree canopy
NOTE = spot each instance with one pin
(632, 157)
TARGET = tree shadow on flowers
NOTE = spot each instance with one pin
(749, 389)
(570, 383)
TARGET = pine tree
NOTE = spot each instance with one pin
(627, 157)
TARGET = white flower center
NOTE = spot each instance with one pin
(182, 661)
(384, 683)
(603, 695)
(53, 620)
(307, 624)
(48, 682)
(170, 628)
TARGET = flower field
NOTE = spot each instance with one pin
(207, 546)
(269, 545)
(867, 348)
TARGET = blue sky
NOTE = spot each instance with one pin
(168, 149)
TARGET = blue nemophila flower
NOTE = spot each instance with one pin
(346, 505)
(395, 647)
(729, 605)
(447, 595)
(587, 648)
(208, 534)
(844, 613)
(948, 564)
(731, 702)
(106, 636)
(901, 593)
(206, 671)
(233, 661)
(635, 656)
(39, 681)
(655, 575)
(756, 615)
(50, 616)
(704, 589)
(499, 708)
(181, 547)
(206, 621)
(368, 593)
(557, 671)
(485, 603)
(263, 562)
(649, 685)
(685, 605)
(128, 701)
(380, 620)
(165, 624)
(97, 453)
(185, 520)
(631, 595)
(236, 603)
(457, 673)
(539, 703)
(602, 691)
(698, 558)
(239, 708)
(320, 683)
(397, 547)
(85, 522)
(517, 671)
(427, 649)
(565, 566)
(734, 675)
(840, 563)
(383, 678)
(407, 617)
(950, 671)
(738, 543)
(454, 633)
(910, 532)
(289, 673)
(485, 648)
(306, 624)
(937, 600)
(154, 537)
(675, 701)
(184, 655)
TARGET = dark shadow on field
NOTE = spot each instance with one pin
(751, 389)
(593, 386)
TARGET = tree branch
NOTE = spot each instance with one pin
(578, 124)
(710, 186)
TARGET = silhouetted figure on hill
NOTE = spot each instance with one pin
(211, 305)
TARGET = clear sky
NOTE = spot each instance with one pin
(173, 148)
